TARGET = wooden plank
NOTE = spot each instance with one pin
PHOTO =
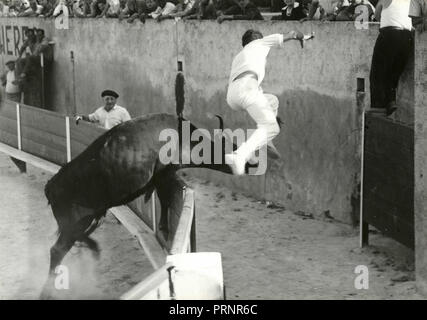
(52, 141)
(85, 133)
(9, 139)
(41, 111)
(44, 151)
(29, 158)
(181, 240)
(8, 110)
(47, 122)
(8, 125)
(145, 236)
(149, 284)
(388, 178)
(82, 135)
(391, 225)
(141, 209)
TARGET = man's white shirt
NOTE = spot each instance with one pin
(253, 57)
(109, 119)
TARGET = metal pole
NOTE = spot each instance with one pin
(43, 84)
(68, 138)
(74, 82)
(18, 126)
(193, 242)
(362, 225)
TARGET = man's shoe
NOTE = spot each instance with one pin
(236, 163)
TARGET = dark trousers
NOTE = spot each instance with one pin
(391, 52)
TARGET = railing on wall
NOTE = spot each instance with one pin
(49, 140)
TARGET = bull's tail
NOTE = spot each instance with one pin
(179, 94)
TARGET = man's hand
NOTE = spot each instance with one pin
(297, 35)
(78, 118)
(220, 19)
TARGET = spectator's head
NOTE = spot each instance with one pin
(289, 3)
(33, 5)
(151, 5)
(251, 35)
(243, 3)
(29, 34)
(110, 98)
(10, 65)
(40, 34)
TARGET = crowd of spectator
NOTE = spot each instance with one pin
(131, 10)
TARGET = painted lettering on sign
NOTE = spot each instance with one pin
(11, 39)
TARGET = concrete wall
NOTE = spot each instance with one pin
(421, 161)
(316, 87)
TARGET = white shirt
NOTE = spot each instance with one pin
(109, 119)
(10, 87)
(114, 6)
(167, 9)
(396, 15)
(253, 57)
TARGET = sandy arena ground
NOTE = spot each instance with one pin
(268, 253)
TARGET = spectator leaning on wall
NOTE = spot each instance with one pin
(164, 8)
(293, 10)
(134, 9)
(110, 114)
(47, 8)
(243, 10)
(356, 7)
(391, 52)
(9, 81)
(208, 9)
(418, 13)
(182, 9)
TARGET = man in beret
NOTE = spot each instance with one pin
(110, 114)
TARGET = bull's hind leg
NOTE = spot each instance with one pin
(58, 251)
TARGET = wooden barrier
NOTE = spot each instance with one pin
(183, 240)
(388, 179)
(188, 276)
(43, 134)
(82, 135)
(8, 123)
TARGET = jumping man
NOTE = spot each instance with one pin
(245, 93)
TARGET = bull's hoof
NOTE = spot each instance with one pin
(46, 294)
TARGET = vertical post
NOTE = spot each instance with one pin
(153, 211)
(364, 227)
(74, 82)
(193, 243)
(18, 126)
(68, 138)
(43, 84)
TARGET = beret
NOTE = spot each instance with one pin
(109, 93)
(10, 61)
